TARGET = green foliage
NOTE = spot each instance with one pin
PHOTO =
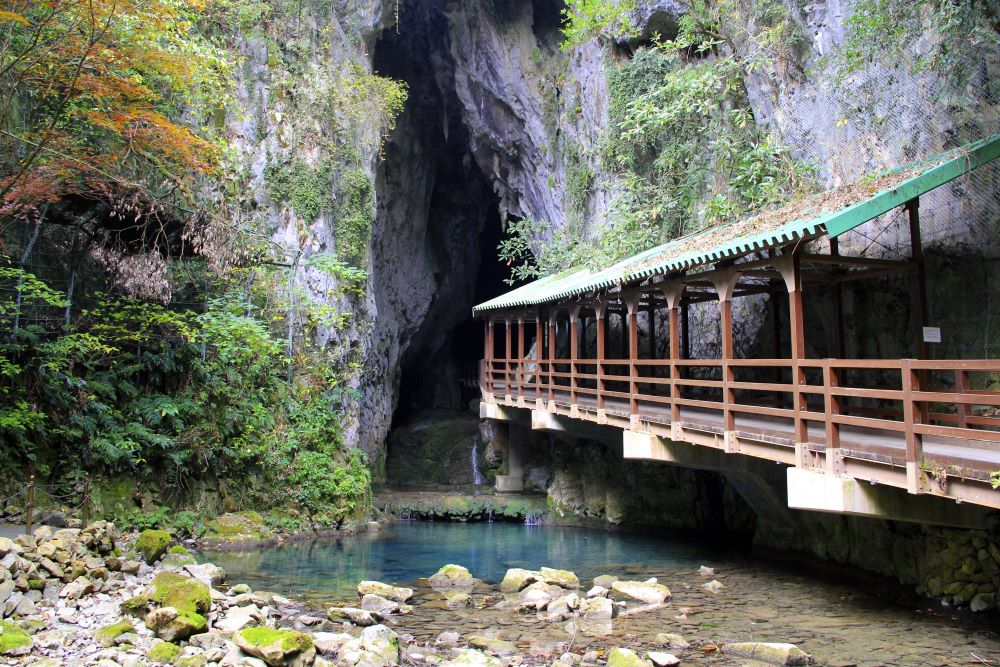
(586, 19)
(355, 210)
(324, 486)
(306, 188)
(957, 32)
(136, 519)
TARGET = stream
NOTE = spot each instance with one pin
(837, 623)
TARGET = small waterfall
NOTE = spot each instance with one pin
(477, 477)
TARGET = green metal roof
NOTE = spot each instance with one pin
(832, 213)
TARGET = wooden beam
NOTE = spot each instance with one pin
(836, 259)
(919, 277)
(725, 287)
(838, 307)
(552, 354)
(574, 350)
(602, 323)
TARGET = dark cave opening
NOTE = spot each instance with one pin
(438, 225)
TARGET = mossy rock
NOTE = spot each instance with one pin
(185, 594)
(152, 544)
(36, 584)
(107, 635)
(191, 661)
(135, 606)
(13, 640)
(435, 448)
(178, 557)
(275, 647)
(190, 597)
(237, 528)
(163, 653)
(179, 550)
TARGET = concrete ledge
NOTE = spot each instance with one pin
(822, 492)
(495, 411)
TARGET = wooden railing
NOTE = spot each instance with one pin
(815, 401)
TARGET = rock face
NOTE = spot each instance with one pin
(434, 447)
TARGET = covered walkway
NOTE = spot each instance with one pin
(614, 346)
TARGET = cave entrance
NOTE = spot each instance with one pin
(438, 224)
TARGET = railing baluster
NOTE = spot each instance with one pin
(912, 415)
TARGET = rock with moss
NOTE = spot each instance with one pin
(277, 648)
(152, 544)
(561, 578)
(385, 590)
(237, 528)
(107, 635)
(163, 653)
(13, 640)
(136, 607)
(191, 661)
(452, 576)
(774, 653)
(183, 603)
(517, 579)
(178, 557)
(626, 657)
(470, 657)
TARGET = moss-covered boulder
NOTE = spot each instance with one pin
(163, 653)
(152, 544)
(107, 635)
(237, 528)
(452, 576)
(626, 657)
(13, 640)
(186, 596)
(649, 592)
(561, 578)
(278, 648)
(137, 606)
(517, 579)
(177, 557)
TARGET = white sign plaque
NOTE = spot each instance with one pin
(932, 334)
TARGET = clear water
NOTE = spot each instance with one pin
(328, 569)
(838, 623)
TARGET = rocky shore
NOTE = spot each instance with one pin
(94, 597)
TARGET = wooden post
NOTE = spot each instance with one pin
(552, 355)
(791, 270)
(632, 304)
(674, 293)
(961, 387)
(686, 329)
(29, 510)
(539, 354)
(839, 349)
(919, 278)
(574, 350)
(725, 285)
(520, 357)
(490, 354)
(506, 357)
(601, 314)
(831, 380)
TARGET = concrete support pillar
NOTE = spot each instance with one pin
(517, 439)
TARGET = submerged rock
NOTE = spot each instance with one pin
(598, 609)
(778, 654)
(713, 587)
(377, 604)
(672, 641)
(644, 591)
(385, 590)
(501, 646)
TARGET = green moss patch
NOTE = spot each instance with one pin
(106, 636)
(163, 652)
(152, 544)
(13, 639)
(135, 606)
(290, 641)
(190, 597)
(179, 550)
(242, 527)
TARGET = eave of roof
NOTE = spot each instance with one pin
(832, 213)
